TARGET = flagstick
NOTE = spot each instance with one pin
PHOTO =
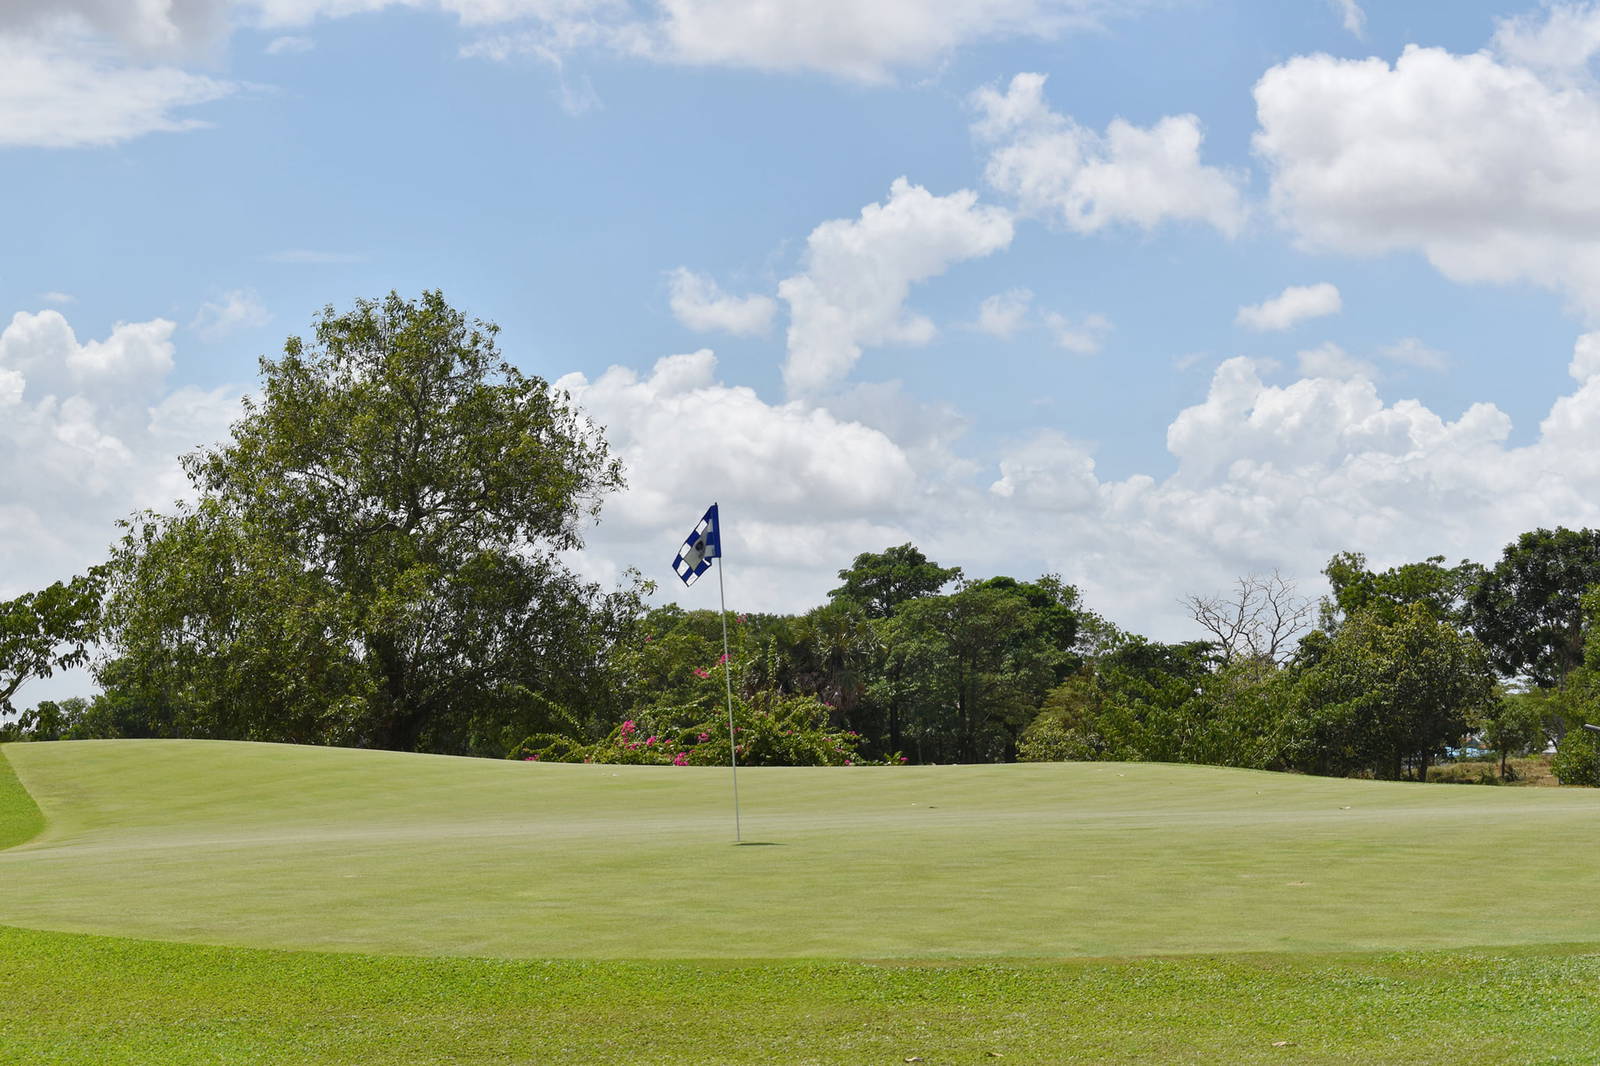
(727, 675)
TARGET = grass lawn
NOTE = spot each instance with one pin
(271, 904)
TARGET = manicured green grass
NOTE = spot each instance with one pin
(20, 819)
(75, 999)
(276, 846)
(895, 915)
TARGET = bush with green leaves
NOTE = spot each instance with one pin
(773, 729)
(1577, 759)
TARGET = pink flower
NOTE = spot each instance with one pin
(701, 673)
(651, 742)
(903, 759)
(705, 736)
(635, 744)
(722, 658)
(741, 619)
(530, 758)
(648, 639)
(628, 727)
(848, 762)
(681, 759)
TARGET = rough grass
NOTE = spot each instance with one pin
(276, 846)
(95, 1001)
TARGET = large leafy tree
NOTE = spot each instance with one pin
(1390, 691)
(1444, 590)
(1526, 609)
(972, 667)
(372, 556)
(45, 631)
(880, 582)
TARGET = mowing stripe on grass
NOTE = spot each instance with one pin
(20, 818)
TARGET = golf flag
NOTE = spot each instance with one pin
(701, 546)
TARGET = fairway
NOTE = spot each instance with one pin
(376, 852)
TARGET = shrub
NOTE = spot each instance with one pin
(1577, 760)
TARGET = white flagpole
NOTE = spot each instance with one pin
(727, 675)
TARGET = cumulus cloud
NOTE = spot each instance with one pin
(89, 432)
(699, 303)
(1291, 307)
(1484, 166)
(1002, 314)
(859, 272)
(1559, 39)
(793, 480)
(1128, 175)
(1282, 476)
(235, 310)
(1082, 337)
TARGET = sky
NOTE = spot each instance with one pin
(1150, 294)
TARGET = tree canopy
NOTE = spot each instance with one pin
(371, 559)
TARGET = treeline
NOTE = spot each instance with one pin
(375, 559)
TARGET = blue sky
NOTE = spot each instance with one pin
(1150, 294)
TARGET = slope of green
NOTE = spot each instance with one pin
(276, 846)
(74, 1000)
(20, 819)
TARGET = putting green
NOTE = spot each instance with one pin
(295, 847)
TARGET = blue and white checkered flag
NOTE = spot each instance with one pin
(702, 545)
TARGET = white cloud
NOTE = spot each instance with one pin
(289, 45)
(236, 310)
(1328, 360)
(1048, 471)
(1267, 476)
(90, 431)
(1087, 181)
(53, 97)
(1483, 166)
(699, 303)
(1413, 352)
(1083, 337)
(1585, 363)
(795, 482)
(1560, 39)
(1351, 15)
(1291, 307)
(58, 298)
(859, 272)
(1002, 314)
(862, 42)
(1282, 477)
(145, 26)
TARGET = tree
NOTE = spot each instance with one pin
(1444, 590)
(372, 557)
(973, 667)
(1258, 621)
(45, 631)
(880, 582)
(1385, 693)
(1526, 609)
